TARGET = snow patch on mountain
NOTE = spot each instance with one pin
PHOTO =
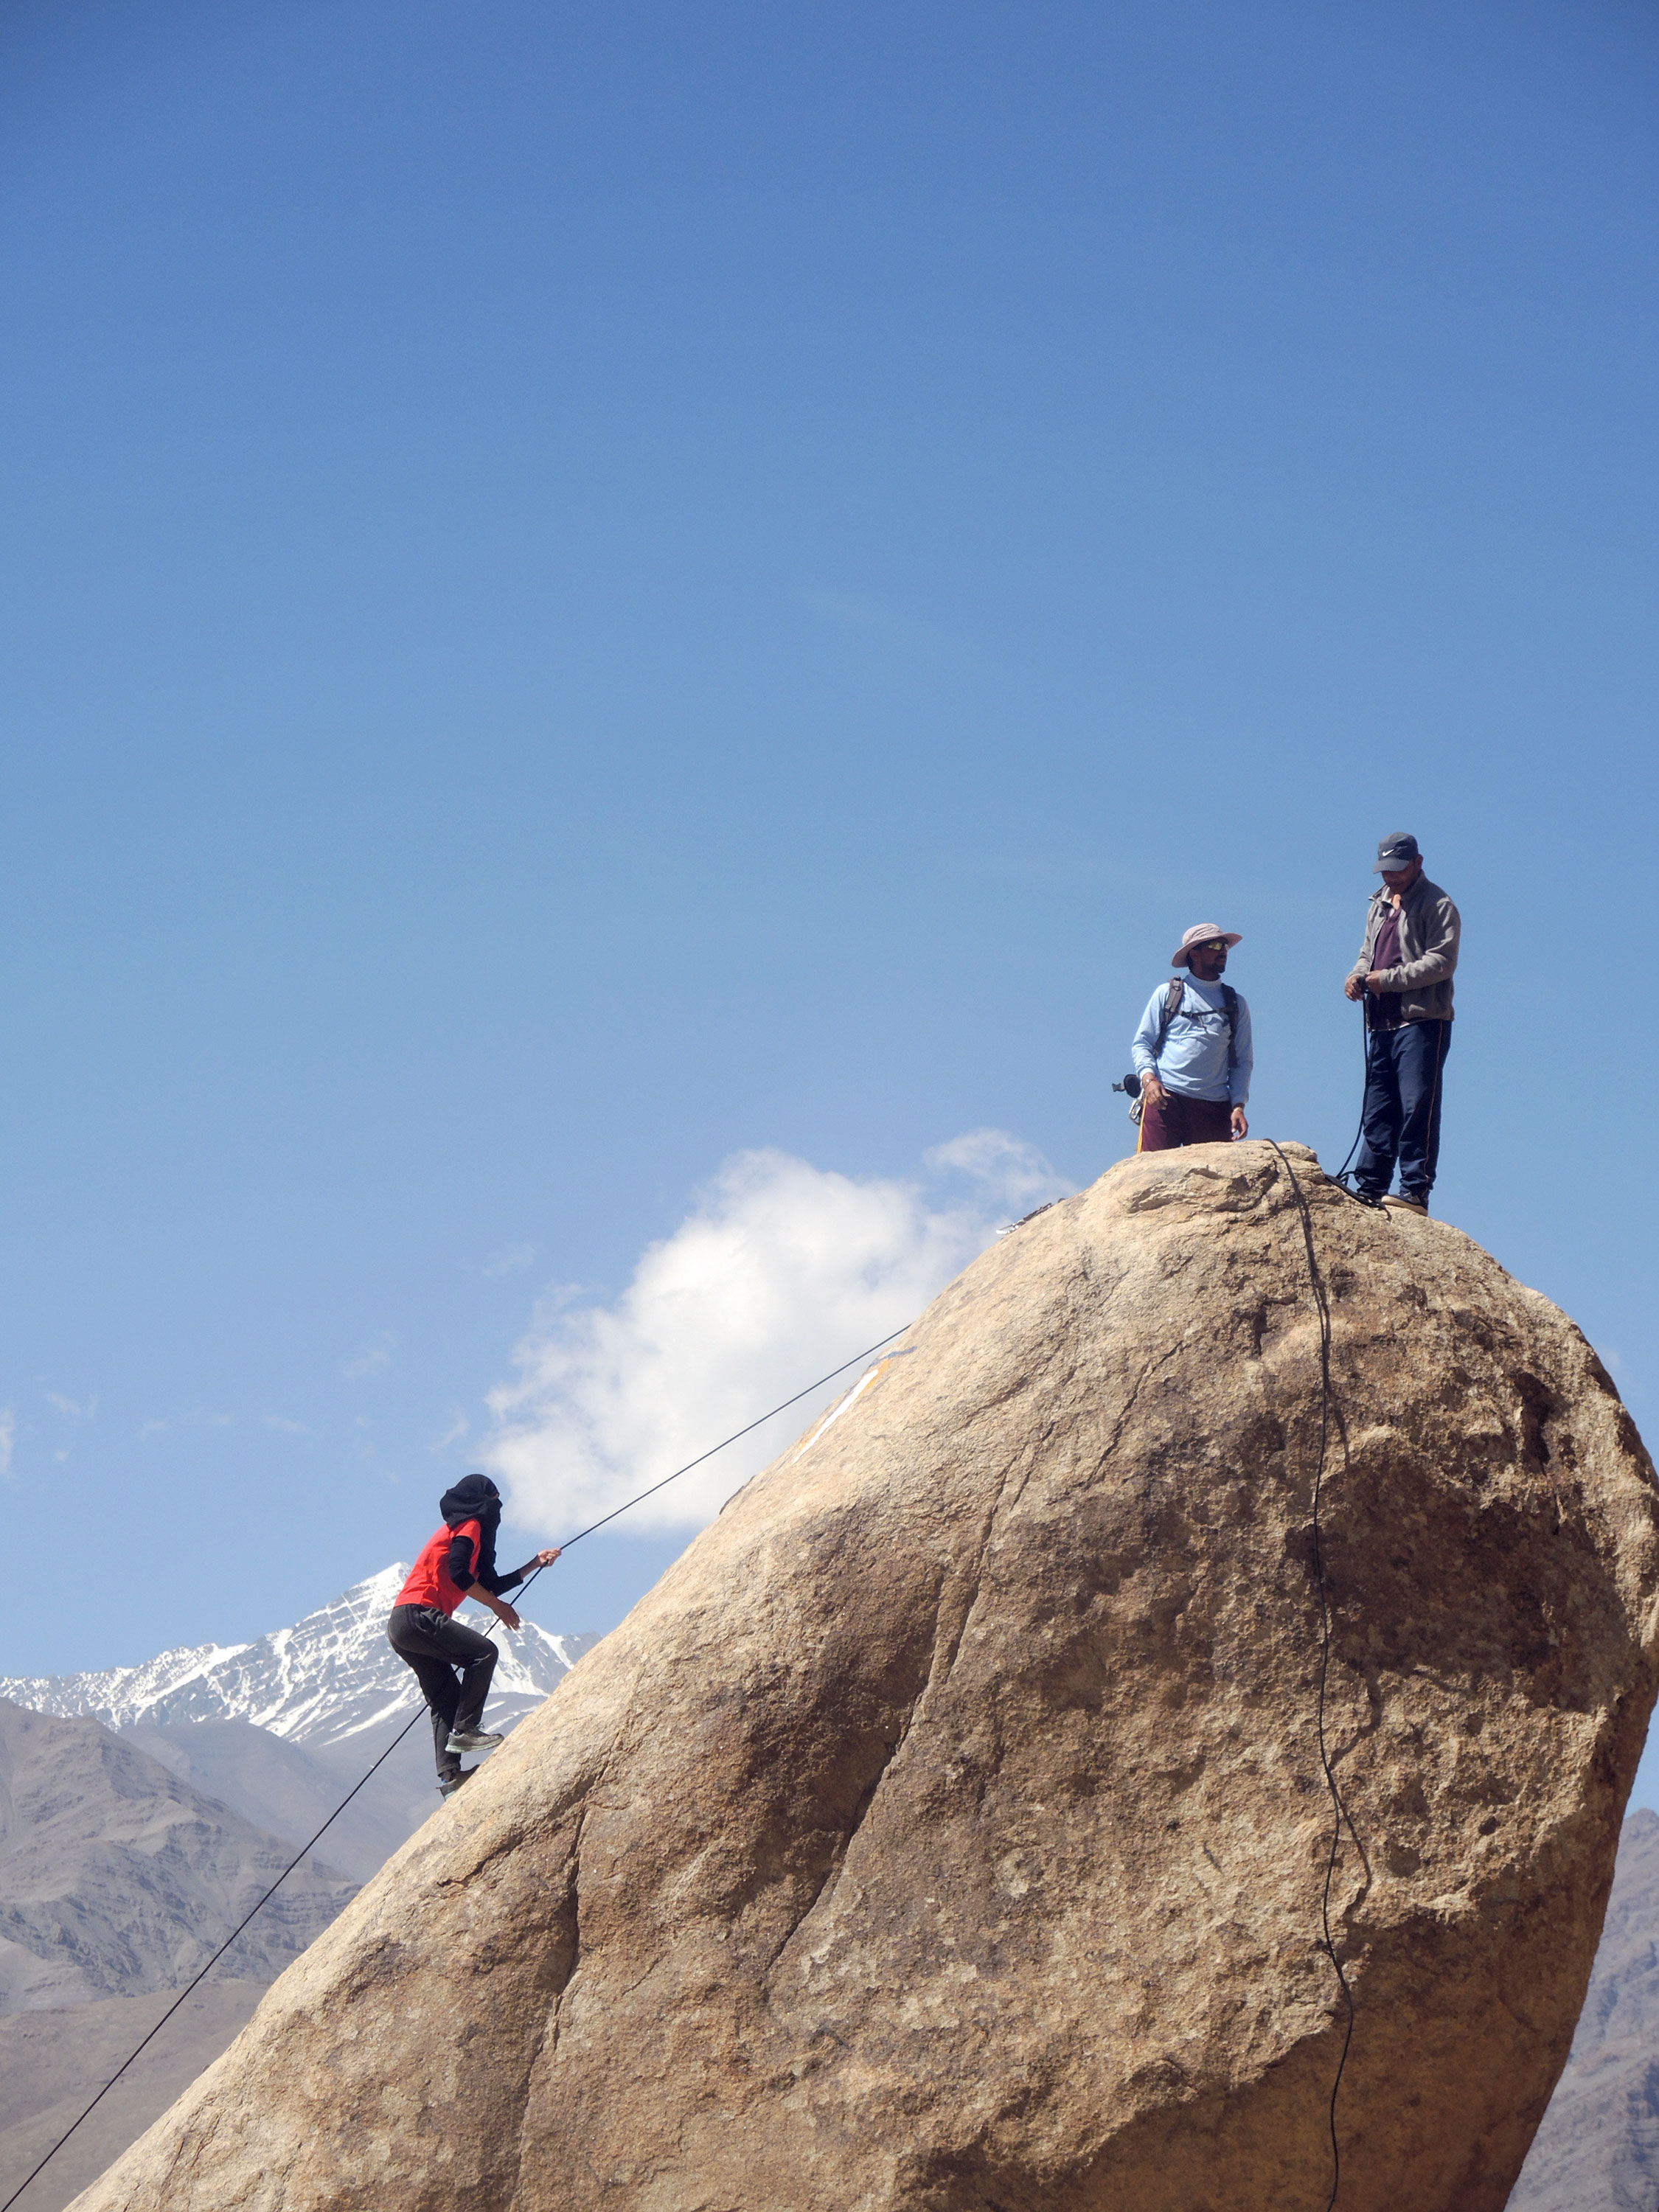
(328, 1677)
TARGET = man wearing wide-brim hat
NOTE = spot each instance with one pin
(1193, 1051)
(1404, 974)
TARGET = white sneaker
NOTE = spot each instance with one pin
(475, 1739)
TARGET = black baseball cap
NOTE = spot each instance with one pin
(1397, 850)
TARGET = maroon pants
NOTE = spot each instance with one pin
(1185, 1122)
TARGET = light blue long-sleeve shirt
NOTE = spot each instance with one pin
(1194, 1058)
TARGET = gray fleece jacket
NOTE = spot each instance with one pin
(1428, 930)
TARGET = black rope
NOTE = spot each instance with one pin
(205, 1972)
(1341, 1175)
(1337, 1814)
(736, 1436)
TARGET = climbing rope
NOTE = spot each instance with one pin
(735, 1437)
(1341, 1175)
(1338, 1812)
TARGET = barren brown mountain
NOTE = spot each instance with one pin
(53, 2063)
(1598, 2148)
(947, 1830)
(117, 1878)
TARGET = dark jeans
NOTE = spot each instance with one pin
(435, 1646)
(1185, 1122)
(1402, 1116)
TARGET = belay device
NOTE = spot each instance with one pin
(1130, 1087)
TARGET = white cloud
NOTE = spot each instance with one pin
(1005, 1168)
(285, 1427)
(8, 1438)
(199, 1417)
(781, 1270)
(451, 1435)
(510, 1262)
(373, 1359)
(70, 1409)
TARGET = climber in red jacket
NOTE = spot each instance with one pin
(458, 1562)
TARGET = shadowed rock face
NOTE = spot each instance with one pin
(946, 1829)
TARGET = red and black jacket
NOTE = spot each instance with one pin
(462, 1552)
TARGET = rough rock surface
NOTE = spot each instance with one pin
(947, 1830)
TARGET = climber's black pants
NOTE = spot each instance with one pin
(435, 1646)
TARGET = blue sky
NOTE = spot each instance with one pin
(591, 593)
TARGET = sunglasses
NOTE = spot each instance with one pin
(1215, 944)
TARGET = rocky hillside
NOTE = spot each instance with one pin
(1598, 2148)
(53, 2063)
(947, 1829)
(292, 1789)
(116, 1878)
(329, 1677)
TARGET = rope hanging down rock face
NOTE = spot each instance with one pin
(736, 1436)
(1339, 1814)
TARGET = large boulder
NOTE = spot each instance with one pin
(948, 1829)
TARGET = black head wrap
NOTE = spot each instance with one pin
(475, 1497)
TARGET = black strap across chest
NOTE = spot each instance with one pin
(1174, 1004)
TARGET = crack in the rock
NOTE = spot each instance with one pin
(547, 2040)
(937, 1673)
(976, 1575)
(1141, 1381)
(188, 2153)
(502, 1848)
(575, 1863)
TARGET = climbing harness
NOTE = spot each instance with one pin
(1339, 1812)
(1174, 1004)
(735, 1437)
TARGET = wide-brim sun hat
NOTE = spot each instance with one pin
(1202, 932)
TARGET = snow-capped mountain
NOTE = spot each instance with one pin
(329, 1676)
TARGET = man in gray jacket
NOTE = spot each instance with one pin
(1404, 974)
